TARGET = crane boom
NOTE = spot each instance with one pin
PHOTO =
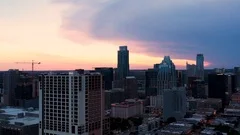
(33, 63)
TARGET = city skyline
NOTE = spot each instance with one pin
(57, 34)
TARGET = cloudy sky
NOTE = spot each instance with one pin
(69, 34)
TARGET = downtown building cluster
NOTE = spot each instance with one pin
(160, 100)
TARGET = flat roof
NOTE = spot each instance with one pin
(26, 121)
(15, 111)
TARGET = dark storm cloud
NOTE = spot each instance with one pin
(179, 28)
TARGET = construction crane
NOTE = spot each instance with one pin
(33, 63)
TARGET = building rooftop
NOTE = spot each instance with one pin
(177, 128)
(26, 121)
(15, 111)
(208, 131)
(19, 116)
(130, 77)
(128, 103)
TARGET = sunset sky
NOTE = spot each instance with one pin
(70, 34)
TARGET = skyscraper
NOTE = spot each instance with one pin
(167, 78)
(72, 104)
(220, 86)
(237, 79)
(130, 87)
(10, 80)
(151, 82)
(107, 76)
(200, 66)
(191, 70)
(123, 63)
(174, 103)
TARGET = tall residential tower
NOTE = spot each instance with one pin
(71, 104)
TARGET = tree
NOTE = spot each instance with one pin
(171, 120)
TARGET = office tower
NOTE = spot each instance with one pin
(151, 82)
(107, 76)
(191, 70)
(123, 63)
(220, 86)
(237, 79)
(174, 103)
(167, 78)
(156, 66)
(198, 89)
(130, 87)
(140, 76)
(72, 104)
(10, 80)
(1, 88)
(200, 66)
(1, 80)
(115, 95)
(181, 75)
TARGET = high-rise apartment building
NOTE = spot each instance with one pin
(107, 76)
(71, 104)
(174, 103)
(167, 77)
(200, 66)
(123, 63)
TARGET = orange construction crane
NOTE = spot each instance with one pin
(33, 63)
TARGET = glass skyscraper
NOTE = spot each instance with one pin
(123, 63)
(200, 66)
(167, 78)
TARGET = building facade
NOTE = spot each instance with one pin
(113, 96)
(107, 74)
(167, 78)
(174, 103)
(198, 89)
(10, 80)
(220, 86)
(151, 76)
(200, 66)
(123, 63)
(237, 73)
(127, 109)
(131, 87)
(71, 104)
(191, 70)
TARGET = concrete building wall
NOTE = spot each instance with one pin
(174, 103)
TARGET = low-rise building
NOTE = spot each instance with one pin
(235, 97)
(17, 121)
(232, 112)
(176, 128)
(195, 104)
(149, 126)
(127, 109)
